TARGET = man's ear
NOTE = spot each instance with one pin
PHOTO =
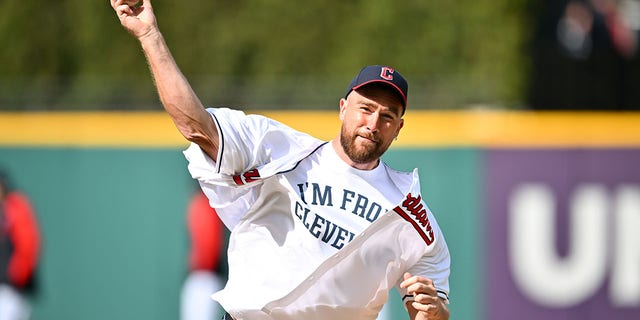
(399, 127)
(343, 108)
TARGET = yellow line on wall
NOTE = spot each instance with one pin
(523, 129)
(422, 128)
(88, 129)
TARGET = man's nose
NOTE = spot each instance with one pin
(373, 122)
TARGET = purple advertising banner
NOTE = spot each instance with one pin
(563, 234)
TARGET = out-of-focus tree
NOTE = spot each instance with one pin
(264, 54)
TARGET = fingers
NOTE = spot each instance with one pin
(417, 284)
(116, 3)
(425, 299)
(429, 308)
(425, 295)
(125, 7)
(131, 3)
(124, 10)
(121, 8)
(409, 277)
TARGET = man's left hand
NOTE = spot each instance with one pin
(426, 304)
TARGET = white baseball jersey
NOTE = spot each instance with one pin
(312, 237)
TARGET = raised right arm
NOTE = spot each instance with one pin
(176, 94)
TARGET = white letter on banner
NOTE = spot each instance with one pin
(538, 272)
(624, 287)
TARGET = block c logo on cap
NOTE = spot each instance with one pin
(387, 73)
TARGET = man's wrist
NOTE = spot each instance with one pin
(153, 36)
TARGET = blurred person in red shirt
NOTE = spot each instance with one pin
(19, 251)
(206, 252)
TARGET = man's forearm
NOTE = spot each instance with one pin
(174, 90)
(177, 96)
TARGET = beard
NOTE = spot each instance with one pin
(362, 153)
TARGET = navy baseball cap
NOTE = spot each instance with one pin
(381, 74)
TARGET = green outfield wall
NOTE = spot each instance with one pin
(110, 191)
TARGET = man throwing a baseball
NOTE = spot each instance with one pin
(319, 230)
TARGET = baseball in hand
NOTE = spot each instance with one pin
(133, 3)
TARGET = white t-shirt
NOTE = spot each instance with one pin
(312, 237)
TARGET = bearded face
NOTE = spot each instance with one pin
(361, 147)
(371, 118)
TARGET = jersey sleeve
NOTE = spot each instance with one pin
(248, 141)
(434, 265)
